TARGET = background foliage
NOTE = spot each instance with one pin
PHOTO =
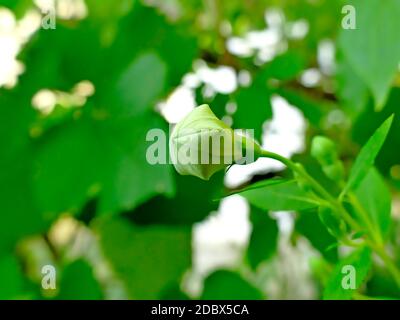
(77, 192)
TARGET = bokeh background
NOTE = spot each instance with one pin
(77, 101)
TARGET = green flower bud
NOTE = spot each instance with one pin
(324, 150)
(201, 145)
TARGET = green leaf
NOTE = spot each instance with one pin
(108, 10)
(146, 258)
(228, 285)
(128, 179)
(277, 194)
(99, 157)
(11, 278)
(66, 161)
(367, 155)
(79, 283)
(20, 214)
(376, 200)
(145, 29)
(58, 68)
(336, 287)
(128, 96)
(253, 107)
(309, 225)
(352, 91)
(373, 56)
(367, 123)
(263, 239)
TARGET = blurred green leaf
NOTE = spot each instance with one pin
(193, 202)
(106, 10)
(19, 7)
(78, 283)
(285, 67)
(146, 258)
(309, 225)
(382, 284)
(228, 285)
(263, 239)
(334, 224)
(352, 91)
(67, 167)
(11, 278)
(376, 200)
(128, 178)
(90, 161)
(128, 97)
(16, 161)
(253, 107)
(367, 123)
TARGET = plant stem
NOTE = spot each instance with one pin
(375, 242)
(335, 204)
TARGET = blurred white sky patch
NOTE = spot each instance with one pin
(229, 228)
(219, 241)
(297, 30)
(326, 56)
(180, 102)
(311, 77)
(65, 9)
(285, 221)
(13, 35)
(222, 79)
(191, 80)
(264, 45)
(267, 43)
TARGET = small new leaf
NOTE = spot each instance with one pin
(367, 156)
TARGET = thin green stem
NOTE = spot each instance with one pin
(375, 243)
(375, 234)
(334, 203)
